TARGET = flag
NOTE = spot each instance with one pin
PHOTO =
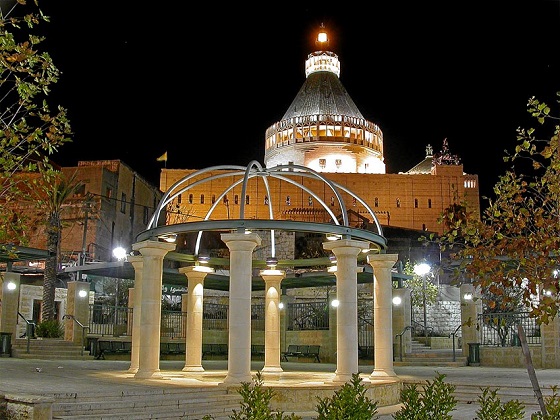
(162, 157)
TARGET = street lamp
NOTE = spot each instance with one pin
(422, 270)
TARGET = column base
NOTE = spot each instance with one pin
(148, 374)
(237, 380)
(382, 373)
(342, 378)
(193, 368)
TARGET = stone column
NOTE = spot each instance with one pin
(195, 309)
(241, 246)
(382, 314)
(402, 318)
(77, 304)
(10, 303)
(346, 252)
(153, 253)
(550, 351)
(471, 306)
(272, 280)
(136, 303)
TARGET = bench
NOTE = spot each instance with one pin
(302, 350)
(365, 352)
(172, 347)
(214, 350)
(112, 346)
(257, 350)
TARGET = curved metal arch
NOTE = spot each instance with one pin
(252, 170)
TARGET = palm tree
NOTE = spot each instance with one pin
(54, 191)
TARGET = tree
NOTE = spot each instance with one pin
(53, 192)
(515, 244)
(29, 131)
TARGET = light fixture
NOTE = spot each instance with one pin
(422, 269)
(397, 300)
(335, 303)
(11, 286)
(332, 258)
(203, 259)
(82, 293)
(119, 253)
(281, 305)
(271, 262)
(468, 296)
(171, 237)
(333, 237)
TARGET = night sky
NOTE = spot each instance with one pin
(204, 82)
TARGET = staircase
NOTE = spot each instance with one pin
(49, 348)
(162, 403)
(424, 355)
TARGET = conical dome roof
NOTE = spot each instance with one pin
(323, 129)
(322, 93)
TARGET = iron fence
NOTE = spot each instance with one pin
(308, 316)
(500, 329)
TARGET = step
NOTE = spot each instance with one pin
(155, 404)
(49, 349)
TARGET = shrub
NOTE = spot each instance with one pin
(49, 329)
(256, 403)
(552, 404)
(491, 407)
(349, 402)
(434, 403)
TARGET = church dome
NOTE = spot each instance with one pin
(323, 129)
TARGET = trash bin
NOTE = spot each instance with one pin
(5, 344)
(474, 354)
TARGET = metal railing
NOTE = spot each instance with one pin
(400, 336)
(29, 330)
(453, 335)
(308, 316)
(500, 329)
(84, 328)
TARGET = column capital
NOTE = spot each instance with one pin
(153, 248)
(345, 245)
(382, 260)
(251, 239)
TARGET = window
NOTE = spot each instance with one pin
(266, 200)
(123, 203)
(201, 198)
(338, 162)
(226, 200)
(415, 203)
(190, 198)
(179, 199)
(398, 202)
(288, 200)
(322, 163)
(247, 199)
(109, 192)
(213, 198)
(310, 201)
(236, 199)
(354, 201)
(80, 192)
(376, 202)
(332, 201)
(429, 203)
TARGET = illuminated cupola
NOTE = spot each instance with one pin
(323, 129)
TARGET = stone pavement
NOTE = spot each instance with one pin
(47, 377)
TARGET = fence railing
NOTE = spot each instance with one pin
(308, 316)
(500, 329)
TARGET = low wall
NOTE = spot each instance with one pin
(509, 356)
(31, 407)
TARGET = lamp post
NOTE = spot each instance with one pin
(120, 254)
(423, 269)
